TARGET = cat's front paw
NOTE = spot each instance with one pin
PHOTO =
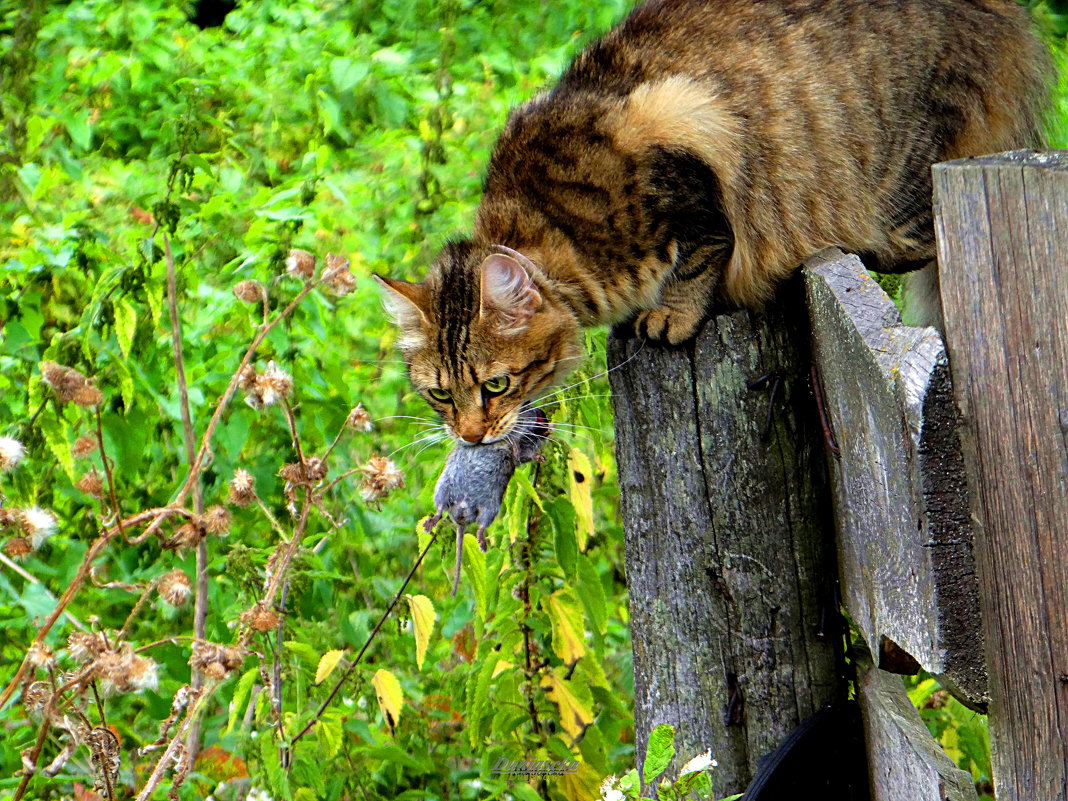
(664, 324)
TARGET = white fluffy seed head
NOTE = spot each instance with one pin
(11, 453)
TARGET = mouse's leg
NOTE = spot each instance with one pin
(482, 538)
(459, 557)
(428, 526)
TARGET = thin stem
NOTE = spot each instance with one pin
(34, 580)
(167, 757)
(367, 643)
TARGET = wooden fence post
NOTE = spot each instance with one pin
(1002, 225)
(730, 557)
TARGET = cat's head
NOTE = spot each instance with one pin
(482, 336)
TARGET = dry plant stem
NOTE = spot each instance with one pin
(167, 757)
(283, 749)
(274, 522)
(13, 566)
(224, 401)
(157, 516)
(200, 601)
(115, 510)
(287, 558)
(367, 643)
(137, 608)
(291, 420)
(34, 756)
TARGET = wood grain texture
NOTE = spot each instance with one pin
(730, 561)
(1002, 227)
(905, 763)
(900, 493)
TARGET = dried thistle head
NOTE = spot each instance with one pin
(91, 484)
(216, 520)
(261, 618)
(113, 669)
(84, 646)
(242, 489)
(18, 548)
(37, 524)
(381, 477)
(359, 419)
(41, 655)
(337, 276)
(11, 453)
(8, 517)
(274, 384)
(107, 759)
(143, 674)
(83, 446)
(175, 588)
(70, 385)
(249, 291)
(300, 263)
(37, 696)
(187, 535)
(216, 661)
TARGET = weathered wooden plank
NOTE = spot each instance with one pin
(728, 537)
(904, 529)
(904, 761)
(1002, 226)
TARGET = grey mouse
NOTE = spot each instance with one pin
(471, 487)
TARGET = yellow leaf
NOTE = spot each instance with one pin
(422, 611)
(565, 614)
(580, 495)
(390, 696)
(327, 664)
(575, 714)
(501, 666)
(582, 785)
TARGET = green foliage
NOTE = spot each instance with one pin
(358, 129)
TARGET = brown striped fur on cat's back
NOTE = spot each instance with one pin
(697, 154)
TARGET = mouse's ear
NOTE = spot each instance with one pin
(407, 304)
(509, 294)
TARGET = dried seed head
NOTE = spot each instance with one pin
(85, 645)
(107, 757)
(246, 379)
(143, 675)
(91, 484)
(216, 661)
(83, 446)
(261, 618)
(381, 477)
(249, 291)
(113, 669)
(242, 491)
(216, 520)
(337, 276)
(38, 524)
(41, 656)
(308, 474)
(37, 696)
(359, 419)
(65, 381)
(187, 535)
(88, 396)
(300, 263)
(8, 517)
(175, 588)
(18, 548)
(11, 453)
(274, 385)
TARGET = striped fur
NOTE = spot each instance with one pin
(701, 150)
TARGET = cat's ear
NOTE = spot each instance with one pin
(509, 294)
(406, 303)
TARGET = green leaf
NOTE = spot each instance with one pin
(562, 515)
(660, 752)
(328, 733)
(240, 699)
(78, 128)
(277, 778)
(474, 564)
(125, 325)
(591, 592)
(478, 694)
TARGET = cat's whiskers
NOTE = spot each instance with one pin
(438, 436)
(541, 399)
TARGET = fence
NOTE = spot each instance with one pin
(949, 495)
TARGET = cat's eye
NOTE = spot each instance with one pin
(439, 394)
(495, 386)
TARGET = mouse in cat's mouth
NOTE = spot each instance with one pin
(471, 487)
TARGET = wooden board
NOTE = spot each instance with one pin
(730, 561)
(904, 761)
(904, 529)
(1002, 226)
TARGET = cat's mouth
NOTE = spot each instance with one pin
(530, 423)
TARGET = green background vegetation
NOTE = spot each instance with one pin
(361, 128)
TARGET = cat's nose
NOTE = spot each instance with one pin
(471, 436)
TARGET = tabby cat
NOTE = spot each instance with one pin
(693, 157)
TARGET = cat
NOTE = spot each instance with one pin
(692, 158)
